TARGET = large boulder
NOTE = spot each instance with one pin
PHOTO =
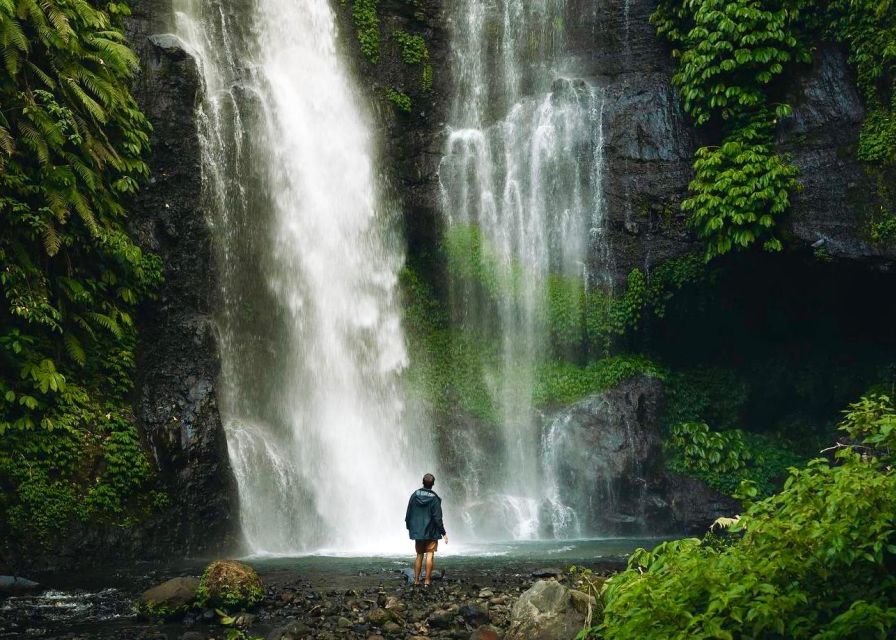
(549, 611)
(16, 586)
(230, 585)
(169, 599)
(605, 455)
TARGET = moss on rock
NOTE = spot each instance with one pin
(230, 585)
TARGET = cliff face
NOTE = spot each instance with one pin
(649, 150)
(176, 403)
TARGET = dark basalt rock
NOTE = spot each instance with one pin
(176, 404)
(607, 454)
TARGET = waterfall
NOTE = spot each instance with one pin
(310, 332)
(521, 180)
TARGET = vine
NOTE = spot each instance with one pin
(728, 53)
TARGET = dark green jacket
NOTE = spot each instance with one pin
(424, 516)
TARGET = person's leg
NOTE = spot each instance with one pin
(430, 561)
(418, 564)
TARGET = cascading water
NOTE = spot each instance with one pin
(521, 184)
(310, 333)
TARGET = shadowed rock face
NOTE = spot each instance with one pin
(175, 403)
(607, 458)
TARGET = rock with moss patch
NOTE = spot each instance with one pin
(230, 585)
(169, 599)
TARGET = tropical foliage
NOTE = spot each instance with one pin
(71, 145)
(814, 561)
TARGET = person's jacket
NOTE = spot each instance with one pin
(424, 515)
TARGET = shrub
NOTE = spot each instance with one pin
(814, 561)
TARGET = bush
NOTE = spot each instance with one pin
(814, 561)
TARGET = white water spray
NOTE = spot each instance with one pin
(522, 175)
(310, 333)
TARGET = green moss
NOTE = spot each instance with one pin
(413, 47)
(426, 79)
(367, 25)
(561, 383)
(230, 586)
(447, 363)
(400, 100)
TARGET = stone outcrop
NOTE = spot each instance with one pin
(176, 403)
(549, 611)
(171, 598)
(606, 454)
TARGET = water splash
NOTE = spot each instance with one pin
(521, 175)
(310, 333)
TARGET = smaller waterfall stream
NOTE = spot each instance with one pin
(311, 339)
(521, 179)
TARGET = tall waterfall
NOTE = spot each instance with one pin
(521, 184)
(310, 331)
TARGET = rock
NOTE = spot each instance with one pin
(550, 572)
(442, 618)
(230, 585)
(375, 637)
(610, 442)
(485, 633)
(379, 616)
(343, 623)
(15, 586)
(549, 611)
(392, 628)
(395, 604)
(169, 599)
(486, 593)
(170, 44)
(474, 616)
(294, 631)
(287, 596)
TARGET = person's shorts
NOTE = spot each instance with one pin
(426, 546)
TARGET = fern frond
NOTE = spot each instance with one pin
(74, 349)
(106, 322)
(52, 239)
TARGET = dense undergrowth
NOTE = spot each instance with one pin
(814, 561)
(71, 145)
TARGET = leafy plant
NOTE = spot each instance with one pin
(401, 100)
(741, 189)
(814, 561)
(71, 145)
(728, 53)
(367, 25)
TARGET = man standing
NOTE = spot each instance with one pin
(424, 522)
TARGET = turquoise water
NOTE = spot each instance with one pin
(514, 556)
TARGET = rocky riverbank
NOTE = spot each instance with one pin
(484, 603)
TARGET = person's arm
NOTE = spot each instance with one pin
(437, 518)
(407, 514)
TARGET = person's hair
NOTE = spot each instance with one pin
(429, 480)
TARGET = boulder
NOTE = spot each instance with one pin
(485, 633)
(379, 616)
(549, 611)
(475, 616)
(15, 586)
(169, 599)
(230, 585)
(294, 631)
(610, 444)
